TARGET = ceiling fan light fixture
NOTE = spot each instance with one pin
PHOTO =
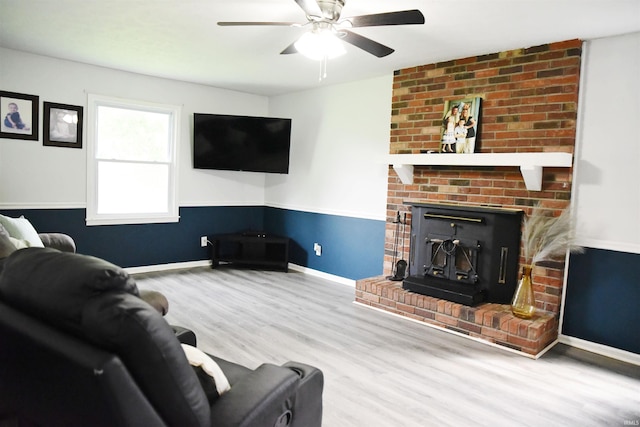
(320, 45)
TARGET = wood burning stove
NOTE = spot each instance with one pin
(464, 254)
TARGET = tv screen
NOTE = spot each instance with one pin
(241, 143)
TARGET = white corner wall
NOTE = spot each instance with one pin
(340, 141)
(607, 164)
(35, 176)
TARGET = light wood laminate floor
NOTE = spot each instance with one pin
(381, 370)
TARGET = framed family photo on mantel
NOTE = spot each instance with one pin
(460, 126)
(19, 114)
(62, 125)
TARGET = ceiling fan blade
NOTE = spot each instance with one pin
(289, 49)
(310, 7)
(366, 44)
(244, 24)
(403, 17)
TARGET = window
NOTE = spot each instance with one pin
(131, 161)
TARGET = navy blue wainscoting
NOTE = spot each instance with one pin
(603, 297)
(351, 247)
(146, 244)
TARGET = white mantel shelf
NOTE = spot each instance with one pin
(530, 164)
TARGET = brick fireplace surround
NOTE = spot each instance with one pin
(529, 104)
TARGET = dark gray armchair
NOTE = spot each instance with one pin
(79, 347)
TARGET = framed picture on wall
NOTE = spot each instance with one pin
(460, 126)
(62, 125)
(19, 113)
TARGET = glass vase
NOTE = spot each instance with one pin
(523, 304)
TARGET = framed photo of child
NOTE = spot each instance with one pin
(19, 113)
(62, 125)
(460, 126)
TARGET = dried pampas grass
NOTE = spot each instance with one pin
(547, 237)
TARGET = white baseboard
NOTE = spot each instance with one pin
(603, 350)
(206, 263)
(323, 275)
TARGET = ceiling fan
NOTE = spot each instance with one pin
(323, 16)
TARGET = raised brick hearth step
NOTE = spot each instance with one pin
(490, 322)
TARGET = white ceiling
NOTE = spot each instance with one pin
(179, 39)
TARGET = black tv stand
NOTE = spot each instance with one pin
(251, 248)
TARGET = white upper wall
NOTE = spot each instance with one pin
(607, 164)
(35, 176)
(340, 140)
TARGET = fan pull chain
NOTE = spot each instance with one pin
(323, 68)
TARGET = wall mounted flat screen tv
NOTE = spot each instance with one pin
(241, 143)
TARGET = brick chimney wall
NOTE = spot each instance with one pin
(529, 104)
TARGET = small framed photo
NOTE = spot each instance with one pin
(62, 125)
(461, 125)
(19, 113)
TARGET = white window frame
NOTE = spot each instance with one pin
(93, 217)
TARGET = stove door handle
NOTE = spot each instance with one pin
(504, 255)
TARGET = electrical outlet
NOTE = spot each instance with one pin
(317, 249)
(203, 241)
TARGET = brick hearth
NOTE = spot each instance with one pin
(489, 322)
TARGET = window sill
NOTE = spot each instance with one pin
(125, 221)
